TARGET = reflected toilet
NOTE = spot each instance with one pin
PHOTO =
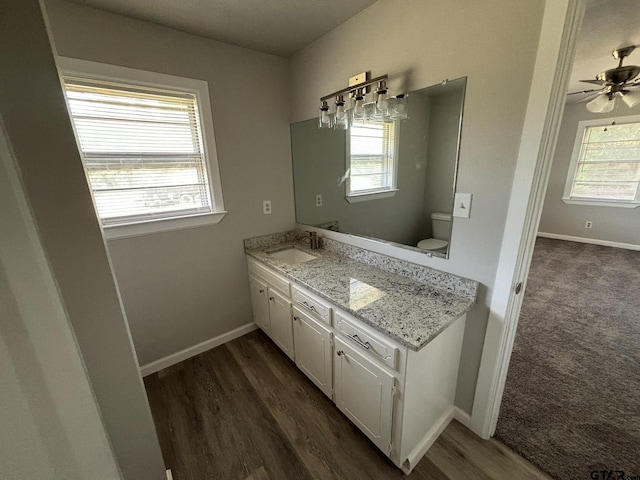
(440, 229)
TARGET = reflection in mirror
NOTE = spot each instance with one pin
(392, 181)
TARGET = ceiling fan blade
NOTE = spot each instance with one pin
(596, 82)
(588, 98)
(586, 91)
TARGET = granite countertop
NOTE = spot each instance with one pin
(409, 311)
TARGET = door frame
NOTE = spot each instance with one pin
(556, 50)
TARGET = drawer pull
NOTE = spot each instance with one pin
(271, 298)
(296, 318)
(309, 307)
(356, 339)
(261, 290)
(339, 353)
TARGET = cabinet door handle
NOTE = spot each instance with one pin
(296, 318)
(339, 353)
(356, 339)
(271, 298)
(261, 291)
(309, 307)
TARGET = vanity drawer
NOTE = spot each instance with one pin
(311, 304)
(364, 339)
(274, 280)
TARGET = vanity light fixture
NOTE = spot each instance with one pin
(380, 108)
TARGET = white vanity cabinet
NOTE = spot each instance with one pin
(364, 393)
(281, 325)
(260, 303)
(400, 398)
(270, 299)
(313, 338)
(313, 348)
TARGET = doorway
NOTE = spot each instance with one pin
(570, 401)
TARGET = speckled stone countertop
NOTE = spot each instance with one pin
(409, 310)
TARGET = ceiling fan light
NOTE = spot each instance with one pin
(631, 98)
(601, 104)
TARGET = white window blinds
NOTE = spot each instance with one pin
(371, 156)
(142, 148)
(608, 166)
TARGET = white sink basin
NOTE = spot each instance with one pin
(293, 256)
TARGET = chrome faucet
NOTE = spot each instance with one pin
(313, 240)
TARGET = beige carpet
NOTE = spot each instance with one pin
(572, 399)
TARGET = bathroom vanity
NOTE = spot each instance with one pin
(384, 346)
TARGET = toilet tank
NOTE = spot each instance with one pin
(441, 225)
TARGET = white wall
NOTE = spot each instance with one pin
(493, 43)
(51, 425)
(183, 287)
(39, 131)
(621, 225)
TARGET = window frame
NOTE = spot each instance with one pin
(200, 89)
(575, 157)
(380, 193)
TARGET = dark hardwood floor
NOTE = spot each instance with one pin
(243, 411)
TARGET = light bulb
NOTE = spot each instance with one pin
(383, 102)
(358, 108)
(324, 119)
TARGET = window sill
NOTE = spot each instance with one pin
(600, 203)
(163, 225)
(371, 196)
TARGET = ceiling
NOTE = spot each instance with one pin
(279, 27)
(608, 24)
(283, 27)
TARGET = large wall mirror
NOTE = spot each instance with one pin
(391, 181)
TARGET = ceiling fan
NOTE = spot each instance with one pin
(615, 82)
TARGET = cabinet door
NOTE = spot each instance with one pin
(260, 304)
(281, 324)
(364, 393)
(313, 350)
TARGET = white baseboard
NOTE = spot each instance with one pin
(593, 241)
(189, 352)
(429, 439)
(463, 417)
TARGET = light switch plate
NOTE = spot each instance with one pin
(462, 205)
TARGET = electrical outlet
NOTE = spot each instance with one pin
(588, 224)
(266, 207)
(318, 200)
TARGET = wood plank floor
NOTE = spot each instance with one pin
(243, 411)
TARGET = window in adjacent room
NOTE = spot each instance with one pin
(371, 160)
(147, 145)
(605, 167)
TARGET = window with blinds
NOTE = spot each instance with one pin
(143, 150)
(606, 164)
(372, 164)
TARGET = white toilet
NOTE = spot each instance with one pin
(440, 228)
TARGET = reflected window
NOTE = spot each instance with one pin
(371, 158)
